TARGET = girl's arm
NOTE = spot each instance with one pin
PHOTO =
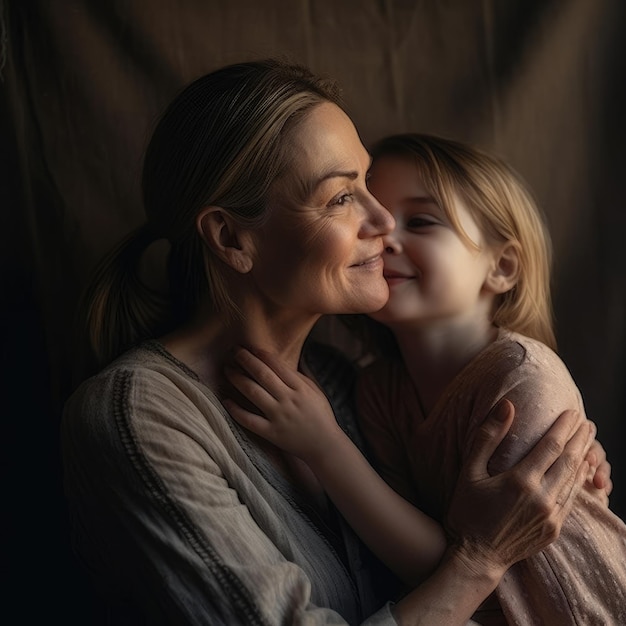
(494, 521)
(297, 417)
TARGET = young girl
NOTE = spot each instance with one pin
(470, 319)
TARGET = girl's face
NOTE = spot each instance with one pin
(320, 249)
(434, 275)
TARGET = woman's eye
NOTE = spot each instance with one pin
(344, 198)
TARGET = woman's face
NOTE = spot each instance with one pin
(320, 250)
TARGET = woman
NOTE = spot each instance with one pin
(257, 178)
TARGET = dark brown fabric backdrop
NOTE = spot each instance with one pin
(541, 82)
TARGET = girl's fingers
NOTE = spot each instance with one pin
(250, 389)
(265, 369)
(253, 422)
(286, 374)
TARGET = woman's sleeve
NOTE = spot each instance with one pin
(154, 506)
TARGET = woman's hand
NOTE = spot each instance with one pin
(599, 481)
(495, 521)
(293, 412)
(499, 520)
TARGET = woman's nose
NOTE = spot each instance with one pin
(380, 221)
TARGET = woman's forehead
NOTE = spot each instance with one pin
(325, 145)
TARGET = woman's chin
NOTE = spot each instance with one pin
(377, 303)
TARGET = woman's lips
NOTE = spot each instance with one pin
(371, 263)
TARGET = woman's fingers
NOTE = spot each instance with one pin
(552, 444)
(490, 435)
(518, 512)
(601, 467)
(569, 472)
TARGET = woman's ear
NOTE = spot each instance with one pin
(504, 274)
(227, 239)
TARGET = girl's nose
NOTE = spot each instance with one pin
(392, 245)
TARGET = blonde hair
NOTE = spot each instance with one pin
(223, 142)
(504, 209)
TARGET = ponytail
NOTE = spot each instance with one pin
(118, 309)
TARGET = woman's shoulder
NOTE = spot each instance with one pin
(147, 361)
(144, 384)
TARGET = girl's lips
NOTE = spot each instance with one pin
(393, 278)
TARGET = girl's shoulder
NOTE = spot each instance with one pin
(514, 352)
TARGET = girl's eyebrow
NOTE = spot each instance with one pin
(422, 199)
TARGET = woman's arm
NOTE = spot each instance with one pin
(495, 521)
(297, 417)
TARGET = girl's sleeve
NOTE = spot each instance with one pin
(538, 384)
(380, 421)
(581, 577)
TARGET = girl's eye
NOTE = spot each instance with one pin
(344, 198)
(420, 221)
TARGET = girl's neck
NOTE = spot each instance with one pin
(434, 354)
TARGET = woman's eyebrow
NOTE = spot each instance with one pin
(310, 186)
(351, 175)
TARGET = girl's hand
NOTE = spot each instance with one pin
(293, 412)
(505, 518)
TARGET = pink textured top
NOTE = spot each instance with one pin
(580, 578)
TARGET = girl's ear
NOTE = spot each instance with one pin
(505, 271)
(227, 239)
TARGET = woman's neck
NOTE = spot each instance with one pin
(206, 344)
(434, 354)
